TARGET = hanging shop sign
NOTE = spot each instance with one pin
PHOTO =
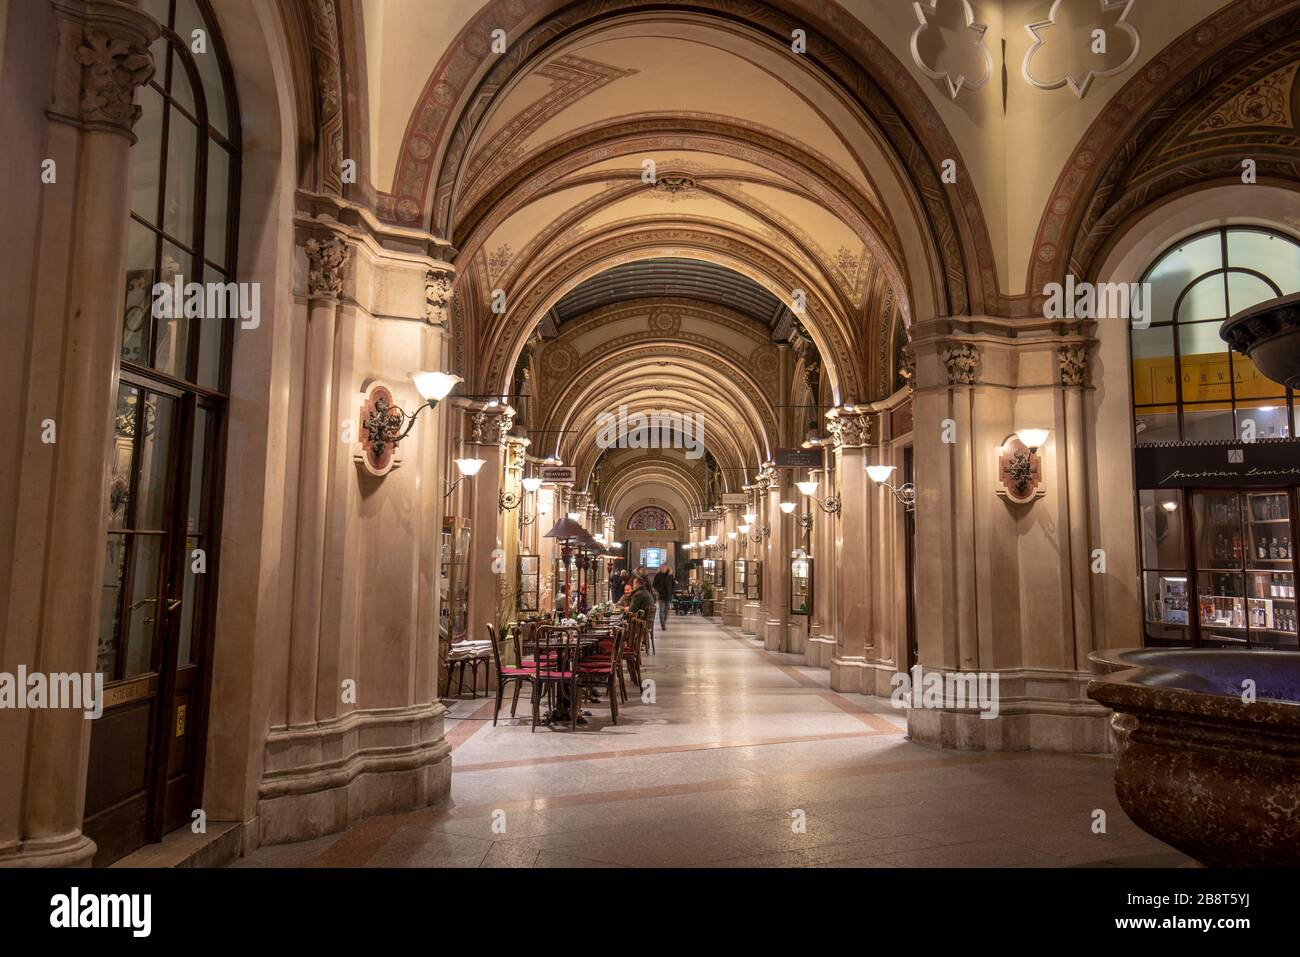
(798, 458)
(1215, 465)
(558, 474)
(735, 498)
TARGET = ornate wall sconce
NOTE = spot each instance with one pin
(468, 469)
(905, 493)
(831, 505)
(1020, 467)
(384, 423)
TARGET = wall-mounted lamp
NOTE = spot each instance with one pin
(384, 423)
(468, 468)
(731, 536)
(576, 516)
(1020, 468)
(789, 507)
(831, 506)
(750, 518)
(905, 493)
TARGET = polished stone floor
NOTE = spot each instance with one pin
(743, 758)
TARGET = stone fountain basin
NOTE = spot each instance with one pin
(1197, 766)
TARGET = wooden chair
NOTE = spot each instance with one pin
(464, 654)
(509, 674)
(554, 669)
(599, 671)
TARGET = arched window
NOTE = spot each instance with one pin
(1187, 385)
(650, 518)
(164, 487)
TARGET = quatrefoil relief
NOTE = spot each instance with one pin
(948, 44)
(1079, 41)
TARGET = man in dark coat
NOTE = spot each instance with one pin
(663, 588)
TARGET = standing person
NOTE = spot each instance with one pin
(615, 585)
(663, 587)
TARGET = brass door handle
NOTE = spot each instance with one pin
(174, 604)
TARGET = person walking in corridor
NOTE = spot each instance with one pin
(663, 588)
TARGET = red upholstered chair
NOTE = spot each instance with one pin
(509, 674)
(553, 669)
(598, 671)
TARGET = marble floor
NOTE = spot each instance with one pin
(739, 758)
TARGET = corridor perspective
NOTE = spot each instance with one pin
(645, 434)
(738, 745)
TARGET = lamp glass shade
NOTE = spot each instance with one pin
(743, 529)
(731, 535)
(788, 507)
(469, 467)
(808, 487)
(751, 518)
(1033, 438)
(435, 386)
(575, 516)
(879, 473)
(713, 539)
(532, 484)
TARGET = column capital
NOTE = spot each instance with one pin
(437, 296)
(1073, 361)
(328, 256)
(516, 451)
(962, 360)
(850, 429)
(103, 57)
(490, 426)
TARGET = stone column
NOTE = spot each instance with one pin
(488, 429)
(776, 564)
(512, 494)
(327, 255)
(819, 649)
(84, 62)
(732, 601)
(852, 432)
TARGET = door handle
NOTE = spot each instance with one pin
(174, 604)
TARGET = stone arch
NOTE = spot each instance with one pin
(961, 270)
(1187, 120)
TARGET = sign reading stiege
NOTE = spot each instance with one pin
(74, 910)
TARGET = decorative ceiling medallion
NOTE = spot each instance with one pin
(926, 12)
(1080, 86)
(1020, 472)
(675, 186)
(377, 450)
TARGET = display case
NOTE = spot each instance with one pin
(453, 584)
(1245, 563)
(738, 577)
(528, 598)
(801, 586)
(754, 581)
(714, 574)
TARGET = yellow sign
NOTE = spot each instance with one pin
(1205, 378)
(180, 720)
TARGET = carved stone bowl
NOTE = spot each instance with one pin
(1270, 335)
(1198, 764)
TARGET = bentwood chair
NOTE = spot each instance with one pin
(599, 671)
(509, 674)
(554, 670)
(465, 653)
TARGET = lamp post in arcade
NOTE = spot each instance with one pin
(566, 531)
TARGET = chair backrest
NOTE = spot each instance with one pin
(519, 637)
(496, 649)
(551, 639)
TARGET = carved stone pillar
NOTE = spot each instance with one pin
(487, 435)
(327, 255)
(776, 562)
(821, 644)
(84, 62)
(852, 434)
(732, 600)
(512, 494)
(750, 609)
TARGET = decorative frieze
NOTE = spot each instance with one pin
(962, 361)
(328, 257)
(1073, 360)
